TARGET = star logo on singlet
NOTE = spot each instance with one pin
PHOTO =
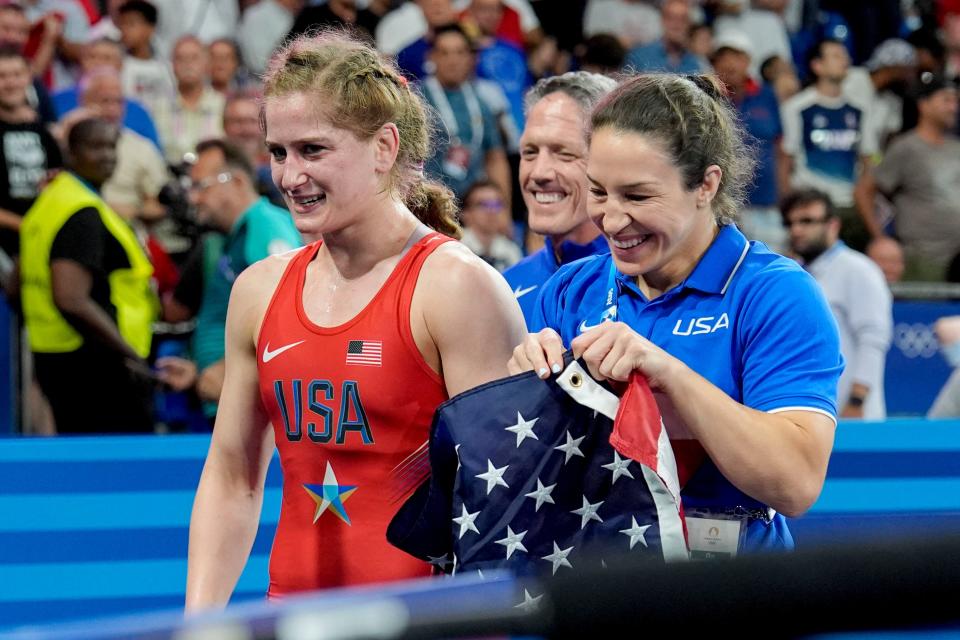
(330, 495)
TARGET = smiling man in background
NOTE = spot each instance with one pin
(553, 177)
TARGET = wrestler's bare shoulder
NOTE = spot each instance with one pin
(264, 275)
(453, 271)
(452, 262)
(254, 287)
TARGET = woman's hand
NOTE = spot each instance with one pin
(541, 352)
(613, 351)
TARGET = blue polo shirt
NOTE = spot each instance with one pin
(526, 277)
(750, 321)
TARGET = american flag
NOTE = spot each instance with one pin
(365, 352)
(524, 476)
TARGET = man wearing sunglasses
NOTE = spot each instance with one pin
(245, 228)
(858, 296)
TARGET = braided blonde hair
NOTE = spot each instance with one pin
(360, 91)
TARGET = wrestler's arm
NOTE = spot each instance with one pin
(471, 315)
(226, 510)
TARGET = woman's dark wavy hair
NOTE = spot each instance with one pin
(695, 124)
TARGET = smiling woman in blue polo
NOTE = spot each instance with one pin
(737, 342)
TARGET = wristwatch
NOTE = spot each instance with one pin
(855, 401)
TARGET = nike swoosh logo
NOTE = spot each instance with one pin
(584, 327)
(519, 293)
(270, 355)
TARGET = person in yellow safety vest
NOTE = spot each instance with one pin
(87, 299)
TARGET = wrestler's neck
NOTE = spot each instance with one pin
(584, 233)
(378, 235)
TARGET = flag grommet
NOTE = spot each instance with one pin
(576, 381)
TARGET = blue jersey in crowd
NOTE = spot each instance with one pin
(506, 64)
(526, 277)
(750, 321)
(135, 116)
(654, 57)
(826, 136)
(412, 59)
(760, 113)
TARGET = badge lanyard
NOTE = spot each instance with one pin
(448, 117)
(609, 312)
(613, 293)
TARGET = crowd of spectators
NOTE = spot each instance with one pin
(852, 108)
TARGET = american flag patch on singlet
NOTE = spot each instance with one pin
(365, 352)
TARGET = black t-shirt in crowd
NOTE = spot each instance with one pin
(84, 239)
(91, 390)
(27, 152)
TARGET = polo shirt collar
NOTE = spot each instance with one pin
(718, 265)
(570, 251)
(241, 221)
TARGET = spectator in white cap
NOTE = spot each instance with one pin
(737, 43)
(881, 83)
(757, 106)
(760, 21)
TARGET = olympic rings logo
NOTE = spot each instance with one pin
(915, 340)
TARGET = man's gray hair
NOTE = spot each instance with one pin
(585, 88)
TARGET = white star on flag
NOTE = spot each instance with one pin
(513, 541)
(494, 476)
(559, 558)
(523, 429)
(456, 451)
(571, 448)
(541, 495)
(635, 532)
(530, 603)
(466, 521)
(588, 512)
(439, 561)
(619, 467)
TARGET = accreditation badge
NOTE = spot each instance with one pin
(714, 535)
(456, 163)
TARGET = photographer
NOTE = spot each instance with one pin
(249, 229)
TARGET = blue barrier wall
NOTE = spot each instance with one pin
(886, 479)
(98, 526)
